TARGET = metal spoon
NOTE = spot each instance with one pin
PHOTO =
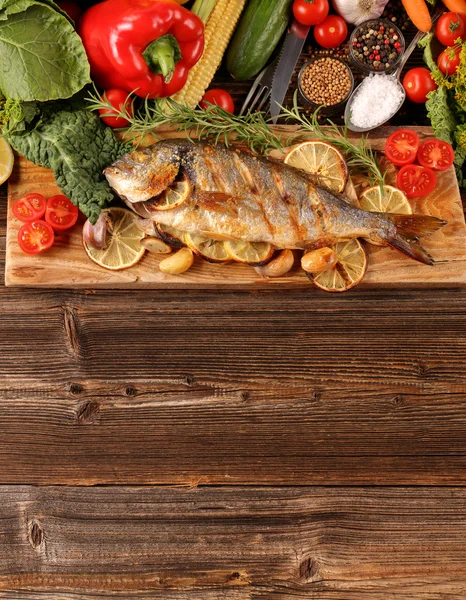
(395, 76)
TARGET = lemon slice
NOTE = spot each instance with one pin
(252, 253)
(349, 270)
(123, 242)
(6, 160)
(389, 199)
(322, 159)
(174, 195)
(206, 247)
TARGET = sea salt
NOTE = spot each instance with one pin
(376, 100)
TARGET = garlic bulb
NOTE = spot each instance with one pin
(358, 11)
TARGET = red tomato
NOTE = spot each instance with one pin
(219, 97)
(449, 60)
(401, 147)
(450, 27)
(418, 83)
(416, 181)
(72, 9)
(119, 100)
(310, 12)
(436, 154)
(35, 237)
(61, 213)
(29, 208)
(331, 32)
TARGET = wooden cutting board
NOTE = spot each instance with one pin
(66, 265)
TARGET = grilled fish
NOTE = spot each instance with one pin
(238, 195)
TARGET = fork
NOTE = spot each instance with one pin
(260, 90)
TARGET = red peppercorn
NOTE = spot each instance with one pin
(397, 45)
(386, 42)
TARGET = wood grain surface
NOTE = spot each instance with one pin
(230, 543)
(67, 265)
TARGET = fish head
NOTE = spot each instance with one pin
(143, 174)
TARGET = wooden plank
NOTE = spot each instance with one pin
(67, 265)
(162, 387)
(232, 543)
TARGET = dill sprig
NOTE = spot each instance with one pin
(359, 156)
(213, 123)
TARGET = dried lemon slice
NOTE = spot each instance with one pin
(123, 240)
(174, 195)
(252, 253)
(322, 159)
(388, 199)
(206, 247)
(349, 270)
(6, 160)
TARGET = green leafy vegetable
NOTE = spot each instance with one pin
(43, 57)
(77, 146)
(441, 117)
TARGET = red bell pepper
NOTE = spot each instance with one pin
(145, 46)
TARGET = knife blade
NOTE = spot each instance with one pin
(291, 50)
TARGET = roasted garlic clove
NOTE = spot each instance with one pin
(155, 245)
(177, 263)
(278, 266)
(318, 261)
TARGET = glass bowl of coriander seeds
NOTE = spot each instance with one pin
(325, 81)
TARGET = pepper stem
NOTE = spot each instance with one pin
(161, 56)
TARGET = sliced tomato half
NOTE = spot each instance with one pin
(35, 237)
(29, 208)
(401, 147)
(436, 154)
(61, 213)
(416, 181)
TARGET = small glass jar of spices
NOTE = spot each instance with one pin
(325, 81)
(376, 46)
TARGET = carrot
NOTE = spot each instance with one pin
(457, 6)
(418, 13)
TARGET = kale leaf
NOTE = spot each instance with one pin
(43, 57)
(77, 146)
(440, 114)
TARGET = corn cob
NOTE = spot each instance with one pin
(218, 31)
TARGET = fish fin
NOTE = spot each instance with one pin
(414, 226)
(408, 229)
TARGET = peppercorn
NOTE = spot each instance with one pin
(379, 45)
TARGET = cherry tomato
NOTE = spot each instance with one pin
(436, 154)
(119, 100)
(450, 27)
(35, 237)
(310, 12)
(449, 60)
(401, 147)
(29, 208)
(416, 181)
(72, 9)
(418, 83)
(331, 32)
(61, 213)
(219, 97)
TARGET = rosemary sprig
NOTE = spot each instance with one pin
(251, 129)
(359, 156)
(213, 123)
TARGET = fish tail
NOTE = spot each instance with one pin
(409, 228)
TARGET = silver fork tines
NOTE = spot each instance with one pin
(259, 93)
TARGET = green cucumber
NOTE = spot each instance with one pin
(258, 32)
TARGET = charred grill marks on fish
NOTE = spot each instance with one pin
(239, 195)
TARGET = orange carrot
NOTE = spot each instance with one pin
(457, 6)
(418, 13)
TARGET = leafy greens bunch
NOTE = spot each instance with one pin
(446, 106)
(42, 114)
